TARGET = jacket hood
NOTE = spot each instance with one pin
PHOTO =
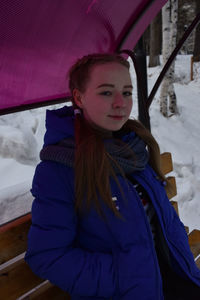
(59, 125)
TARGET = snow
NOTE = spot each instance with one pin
(21, 138)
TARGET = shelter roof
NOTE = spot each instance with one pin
(40, 39)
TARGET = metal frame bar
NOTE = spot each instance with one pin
(142, 95)
(171, 58)
(125, 36)
(14, 109)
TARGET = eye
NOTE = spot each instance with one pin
(106, 93)
(127, 94)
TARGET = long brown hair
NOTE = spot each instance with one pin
(92, 162)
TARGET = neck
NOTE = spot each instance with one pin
(102, 131)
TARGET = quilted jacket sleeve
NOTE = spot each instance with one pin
(51, 253)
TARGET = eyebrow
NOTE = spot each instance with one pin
(112, 85)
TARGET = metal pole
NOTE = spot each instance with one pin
(142, 86)
(171, 58)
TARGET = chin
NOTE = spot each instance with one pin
(116, 128)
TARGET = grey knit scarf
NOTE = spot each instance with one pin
(129, 153)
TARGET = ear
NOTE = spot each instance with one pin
(77, 97)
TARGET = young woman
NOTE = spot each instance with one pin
(102, 225)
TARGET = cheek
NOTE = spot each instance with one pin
(93, 111)
(98, 107)
(130, 105)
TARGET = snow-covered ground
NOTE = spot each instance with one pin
(21, 138)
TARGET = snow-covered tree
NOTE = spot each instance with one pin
(169, 28)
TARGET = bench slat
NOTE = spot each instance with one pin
(198, 262)
(166, 162)
(173, 191)
(46, 291)
(187, 229)
(13, 241)
(175, 206)
(17, 279)
(194, 242)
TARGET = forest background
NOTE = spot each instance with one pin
(187, 10)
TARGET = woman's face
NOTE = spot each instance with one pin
(107, 100)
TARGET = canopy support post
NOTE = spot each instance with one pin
(139, 61)
(142, 85)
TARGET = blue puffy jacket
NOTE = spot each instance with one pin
(89, 257)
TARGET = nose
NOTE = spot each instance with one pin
(118, 101)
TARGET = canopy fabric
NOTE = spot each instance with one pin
(40, 39)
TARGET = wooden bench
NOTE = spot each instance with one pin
(17, 281)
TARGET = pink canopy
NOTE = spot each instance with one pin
(40, 39)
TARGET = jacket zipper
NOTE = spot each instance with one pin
(149, 232)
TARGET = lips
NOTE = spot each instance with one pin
(117, 117)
